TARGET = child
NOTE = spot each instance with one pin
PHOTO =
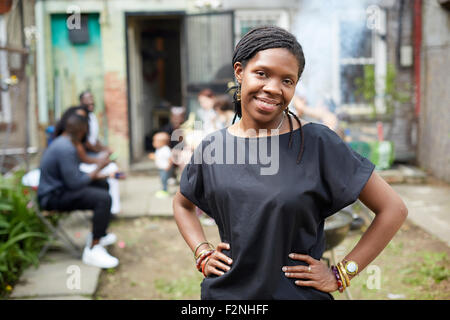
(163, 160)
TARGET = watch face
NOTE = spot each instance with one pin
(351, 267)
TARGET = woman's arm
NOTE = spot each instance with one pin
(192, 232)
(390, 213)
(82, 154)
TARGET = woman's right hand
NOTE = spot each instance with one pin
(218, 263)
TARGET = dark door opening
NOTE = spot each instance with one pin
(169, 59)
(154, 73)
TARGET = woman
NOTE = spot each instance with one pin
(272, 226)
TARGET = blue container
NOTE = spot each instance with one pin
(49, 134)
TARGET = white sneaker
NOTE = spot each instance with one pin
(99, 257)
(107, 240)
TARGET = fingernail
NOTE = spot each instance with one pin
(286, 274)
(284, 269)
(230, 261)
(291, 255)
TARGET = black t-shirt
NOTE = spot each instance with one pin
(265, 215)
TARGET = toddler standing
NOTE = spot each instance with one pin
(163, 160)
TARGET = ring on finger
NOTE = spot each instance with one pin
(309, 268)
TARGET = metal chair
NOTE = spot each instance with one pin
(56, 228)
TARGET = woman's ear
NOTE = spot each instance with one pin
(238, 70)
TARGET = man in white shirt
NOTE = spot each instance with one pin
(95, 148)
(93, 144)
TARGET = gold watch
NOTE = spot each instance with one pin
(351, 267)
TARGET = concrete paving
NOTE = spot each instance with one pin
(428, 207)
(59, 275)
(138, 197)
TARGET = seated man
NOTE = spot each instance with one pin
(63, 187)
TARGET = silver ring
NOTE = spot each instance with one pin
(309, 268)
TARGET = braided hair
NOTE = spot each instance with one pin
(263, 38)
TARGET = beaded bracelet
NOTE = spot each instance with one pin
(338, 279)
(203, 257)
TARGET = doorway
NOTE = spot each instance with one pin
(154, 76)
(169, 58)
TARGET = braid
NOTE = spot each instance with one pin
(302, 139)
(263, 38)
(290, 127)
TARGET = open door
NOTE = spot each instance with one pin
(209, 46)
(136, 117)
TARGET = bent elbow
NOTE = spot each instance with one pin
(403, 211)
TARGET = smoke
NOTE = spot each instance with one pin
(316, 27)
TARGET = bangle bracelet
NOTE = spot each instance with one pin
(203, 257)
(344, 284)
(344, 273)
(198, 246)
(201, 253)
(204, 265)
(338, 279)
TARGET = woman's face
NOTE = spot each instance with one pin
(267, 84)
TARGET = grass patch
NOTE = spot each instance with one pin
(181, 288)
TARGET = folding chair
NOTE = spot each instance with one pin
(57, 232)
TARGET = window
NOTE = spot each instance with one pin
(245, 20)
(358, 47)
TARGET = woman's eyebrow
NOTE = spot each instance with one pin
(268, 68)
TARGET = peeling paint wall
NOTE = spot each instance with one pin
(76, 67)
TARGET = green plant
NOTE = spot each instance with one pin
(22, 234)
(432, 266)
(394, 92)
(179, 288)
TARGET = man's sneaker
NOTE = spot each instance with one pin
(105, 241)
(99, 257)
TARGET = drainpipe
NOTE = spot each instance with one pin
(417, 52)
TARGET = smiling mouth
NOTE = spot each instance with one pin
(266, 104)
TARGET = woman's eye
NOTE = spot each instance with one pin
(288, 82)
(260, 73)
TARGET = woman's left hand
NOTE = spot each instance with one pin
(316, 275)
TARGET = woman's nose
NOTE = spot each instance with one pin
(273, 87)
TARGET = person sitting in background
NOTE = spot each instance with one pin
(163, 161)
(90, 162)
(206, 113)
(63, 187)
(92, 144)
(223, 106)
(177, 117)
